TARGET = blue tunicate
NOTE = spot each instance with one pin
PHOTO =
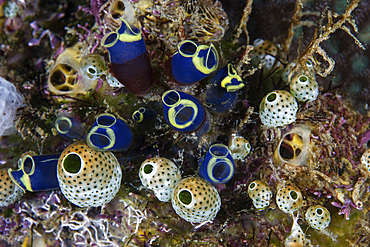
(36, 172)
(109, 134)
(193, 62)
(218, 166)
(70, 128)
(184, 112)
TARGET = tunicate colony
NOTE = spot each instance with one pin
(96, 178)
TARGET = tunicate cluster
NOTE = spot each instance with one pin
(278, 108)
(260, 193)
(195, 200)
(160, 175)
(10, 101)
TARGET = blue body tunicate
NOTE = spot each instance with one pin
(222, 95)
(184, 112)
(193, 62)
(36, 173)
(129, 60)
(125, 44)
(217, 166)
(219, 100)
(143, 114)
(227, 77)
(70, 128)
(109, 134)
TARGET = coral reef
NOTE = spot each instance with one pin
(300, 170)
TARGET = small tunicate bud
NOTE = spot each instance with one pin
(304, 88)
(278, 108)
(239, 147)
(365, 161)
(289, 198)
(265, 50)
(318, 217)
(296, 238)
(260, 193)
(160, 175)
(93, 66)
(195, 200)
(292, 70)
(112, 81)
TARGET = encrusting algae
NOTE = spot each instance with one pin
(184, 123)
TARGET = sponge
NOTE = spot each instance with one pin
(10, 101)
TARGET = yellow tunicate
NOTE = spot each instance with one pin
(65, 77)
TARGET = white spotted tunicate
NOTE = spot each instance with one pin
(9, 191)
(365, 161)
(318, 217)
(88, 177)
(195, 200)
(112, 81)
(278, 108)
(260, 193)
(304, 88)
(289, 198)
(296, 238)
(267, 51)
(160, 175)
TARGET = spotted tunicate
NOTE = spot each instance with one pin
(160, 175)
(289, 198)
(9, 191)
(365, 161)
(88, 177)
(318, 217)
(278, 108)
(304, 88)
(195, 200)
(260, 193)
